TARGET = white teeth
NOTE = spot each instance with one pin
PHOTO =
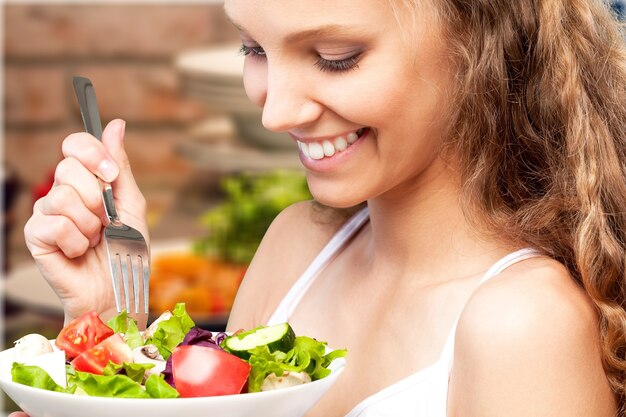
(305, 149)
(329, 148)
(340, 144)
(316, 151)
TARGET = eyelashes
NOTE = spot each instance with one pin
(326, 65)
(255, 51)
(338, 65)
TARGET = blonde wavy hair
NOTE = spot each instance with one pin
(539, 129)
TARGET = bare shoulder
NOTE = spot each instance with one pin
(292, 241)
(528, 343)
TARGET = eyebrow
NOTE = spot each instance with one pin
(330, 30)
(323, 31)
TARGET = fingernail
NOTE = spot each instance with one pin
(108, 170)
(123, 129)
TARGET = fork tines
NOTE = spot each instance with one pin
(134, 277)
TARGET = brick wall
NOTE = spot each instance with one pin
(127, 50)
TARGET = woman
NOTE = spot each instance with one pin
(486, 275)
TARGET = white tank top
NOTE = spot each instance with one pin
(422, 394)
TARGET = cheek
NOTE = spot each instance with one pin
(255, 82)
(373, 95)
(354, 98)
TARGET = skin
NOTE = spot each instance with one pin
(64, 232)
(527, 341)
(531, 318)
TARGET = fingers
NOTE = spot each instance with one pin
(70, 218)
(18, 414)
(113, 140)
(73, 173)
(107, 159)
(64, 200)
(92, 154)
(48, 234)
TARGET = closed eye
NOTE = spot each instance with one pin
(255, 51)
(338, 65)
(329, 65)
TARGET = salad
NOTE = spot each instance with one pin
(172, 358)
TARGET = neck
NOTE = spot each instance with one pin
(422, 230)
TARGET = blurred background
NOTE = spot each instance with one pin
(212, 177)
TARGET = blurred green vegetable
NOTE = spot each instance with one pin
(236, 226)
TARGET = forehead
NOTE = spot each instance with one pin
(281, 17)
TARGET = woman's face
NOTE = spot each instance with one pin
(362, 92)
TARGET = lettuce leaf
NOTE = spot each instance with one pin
(156, 387)
(122, 386)
(36, 377)
(119, 323)
(119, 386)
(263, 363)
(171, 332)
(85, 383)
(123, 323)
(135, 371)
(308, 355)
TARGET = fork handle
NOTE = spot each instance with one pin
(109, 206)
(86, 95)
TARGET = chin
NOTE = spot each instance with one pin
(336, 198)
(336, 192)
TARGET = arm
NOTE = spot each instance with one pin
(528, 344)
(294, 238)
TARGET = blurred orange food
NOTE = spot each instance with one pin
(206, 285)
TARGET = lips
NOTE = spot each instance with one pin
(328, 147)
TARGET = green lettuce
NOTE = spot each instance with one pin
(119, 386)
(156, 387)
(308, 355)
(135, 371)
(36, 377)
(251, 202)
(122, 386)
(123, 323)
(263, 363)
(171, 332)
(85, 383)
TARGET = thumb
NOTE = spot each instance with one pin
(113, 141)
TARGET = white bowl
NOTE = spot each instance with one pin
(287, 402)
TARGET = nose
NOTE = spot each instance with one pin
(288, 101)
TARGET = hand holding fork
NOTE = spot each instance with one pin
(64, 234)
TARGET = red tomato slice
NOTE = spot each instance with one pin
(81, 334)
(201, 371)
(94, 360)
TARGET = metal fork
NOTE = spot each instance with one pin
(129, 256)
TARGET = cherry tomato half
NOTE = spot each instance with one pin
(201, 371)
(81, 334)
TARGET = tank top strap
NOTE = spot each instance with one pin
(447, 354)
(297, 291)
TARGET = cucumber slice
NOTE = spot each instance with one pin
(278, 337)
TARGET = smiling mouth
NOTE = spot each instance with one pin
(326, 148)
